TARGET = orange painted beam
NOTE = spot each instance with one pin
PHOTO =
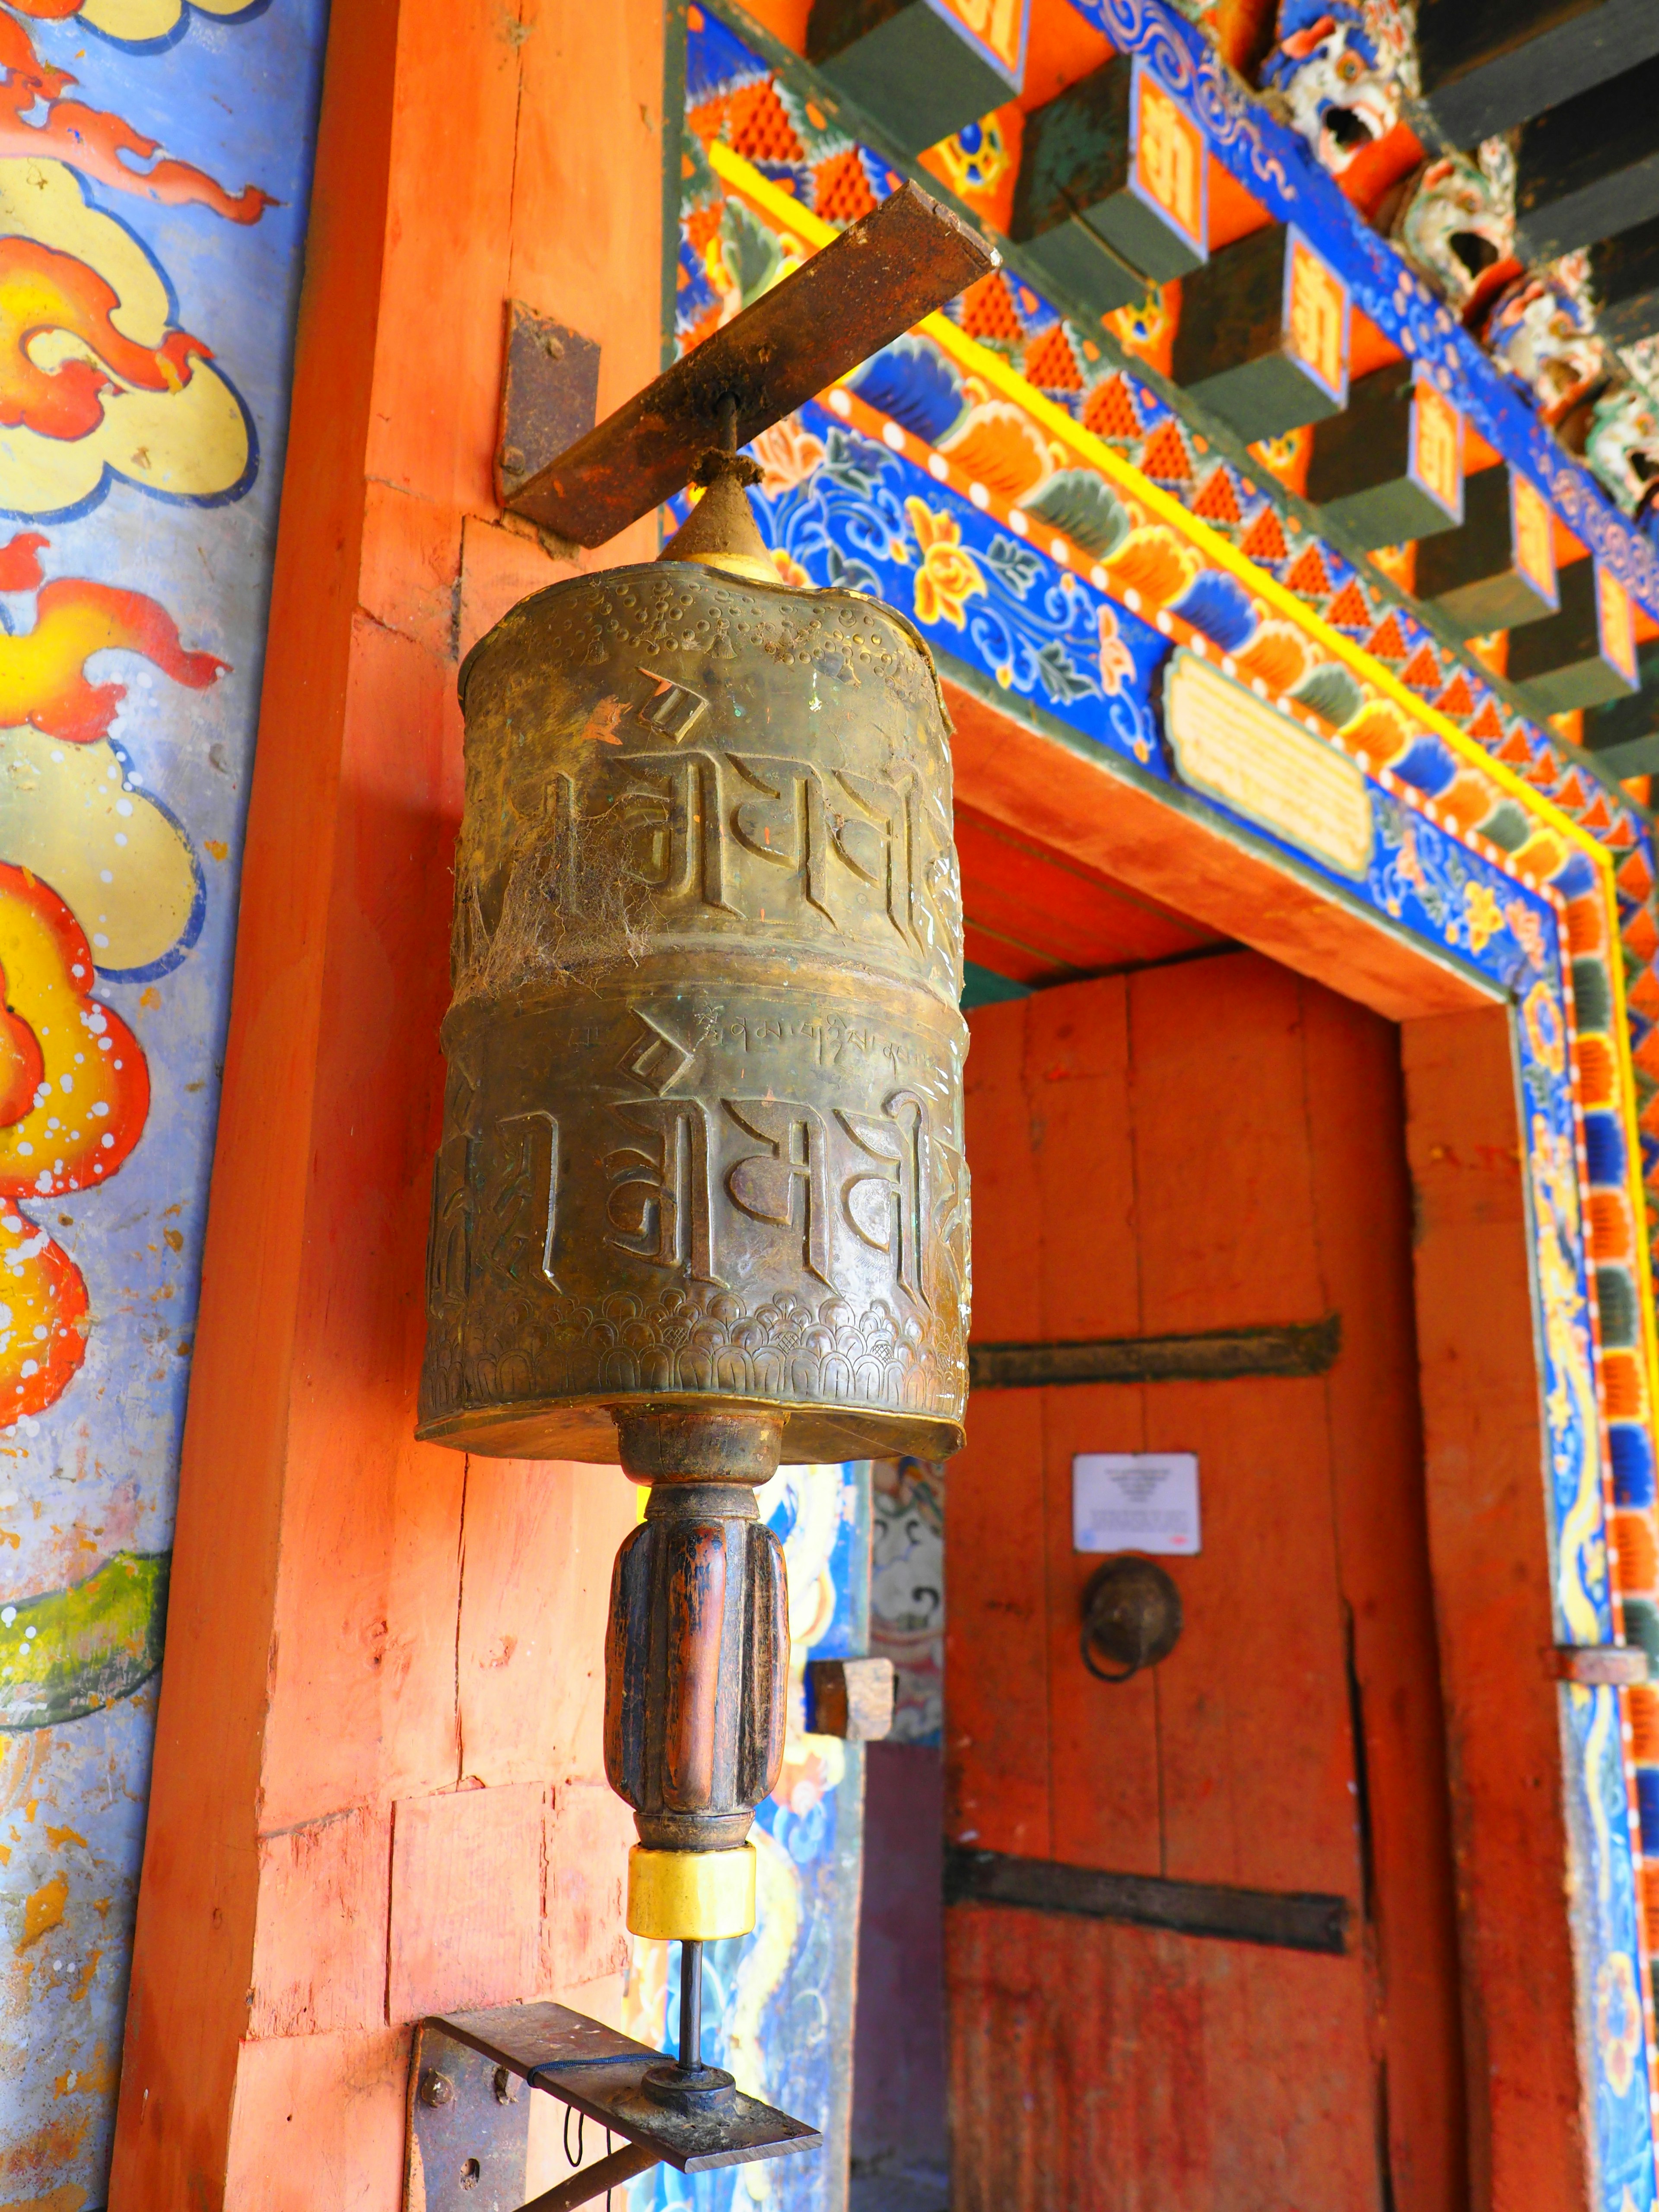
(377, 1785)
(1485, 1470)
(1082, 806)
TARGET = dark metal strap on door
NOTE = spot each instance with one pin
(1213, 1355)
(1292, 1921)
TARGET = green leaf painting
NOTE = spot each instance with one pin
(68, 1652)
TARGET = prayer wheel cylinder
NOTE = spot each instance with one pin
(700, 1201)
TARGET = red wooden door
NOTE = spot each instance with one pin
(1208, 1146)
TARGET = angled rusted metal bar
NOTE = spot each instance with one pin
(596, 2180)
(878, 279)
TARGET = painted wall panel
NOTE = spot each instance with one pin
(153, 168)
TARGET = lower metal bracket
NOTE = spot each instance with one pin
(468, 2112)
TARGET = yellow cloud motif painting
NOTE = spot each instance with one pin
(133, 21)
(94, 378)
(68, 814)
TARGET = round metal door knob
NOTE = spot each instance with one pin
(1131, 1617)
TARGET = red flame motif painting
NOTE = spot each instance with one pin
(73, 1082)
(105, 146)
(41, 289)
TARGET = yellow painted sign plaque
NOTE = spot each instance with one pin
(1170, 158)
(1534, 537)
(1437, 454)
(1236, 748)
(1318, 320)
(1618, 625)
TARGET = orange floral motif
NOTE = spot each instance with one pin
(996, 444)
(1278, 654)
(949, 576)
(1152, 563)
(1546, 1030)
(1377, 731)
(1527, 930)
(1117, 663)
(787, 455)
(789, 568)
(1483, 914)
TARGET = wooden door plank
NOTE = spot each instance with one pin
(1104, 1785)
(1076, 1083)
(1226, 1226)
(1253, 1721)
(1361, 1200)
(996, 1658)
(1007, 1210)
(1097, 2067)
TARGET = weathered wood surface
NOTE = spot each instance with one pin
(1360, 469)
(1470, 575)
(1233, 348)
(1282, 1919)
(1491, 1575)
(1624, 280)
(850, 1698)
(1076, 213)
(906, 64)
(1588, 168)
(1489, 64)
(1559, 661)
(1107, 1203)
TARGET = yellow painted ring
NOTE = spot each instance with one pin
(690, 1896)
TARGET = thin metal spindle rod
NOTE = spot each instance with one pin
(690, 2004)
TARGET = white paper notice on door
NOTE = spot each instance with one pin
(1136, 1502)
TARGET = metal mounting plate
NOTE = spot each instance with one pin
(467, 2154)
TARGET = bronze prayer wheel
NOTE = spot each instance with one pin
(702, 1127)
(701, 1202)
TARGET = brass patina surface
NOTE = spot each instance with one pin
(702, 1132)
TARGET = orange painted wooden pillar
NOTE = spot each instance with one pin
(1485, 1461)
(377, 1783)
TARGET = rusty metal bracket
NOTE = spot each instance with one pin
(550, 395)
(1598, 1666)
(468, 2112)
(882, 276)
